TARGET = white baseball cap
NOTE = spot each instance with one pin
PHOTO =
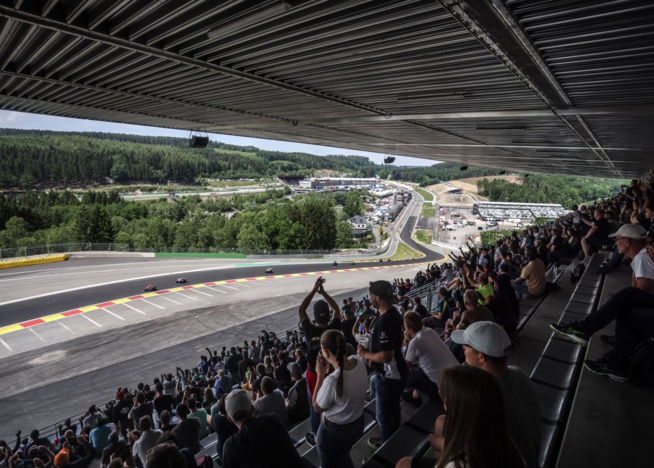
(238, 404)
(632, 231)
(486, 337)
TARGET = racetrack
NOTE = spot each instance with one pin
(59, 368)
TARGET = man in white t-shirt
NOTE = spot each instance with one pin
(426, 355)
(632, 308)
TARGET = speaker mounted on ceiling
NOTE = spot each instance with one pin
(198, 141)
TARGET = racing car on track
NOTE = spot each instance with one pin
(150, 288)
(269, 270)
(180, 280)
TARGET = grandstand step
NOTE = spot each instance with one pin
(562, 350)
(423, 420)
(557, 374)
(299, 432)
(581, 309)
(311, 457)
(406, 442)
(549, 434)
(553, 402)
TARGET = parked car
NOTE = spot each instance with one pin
(150, 288)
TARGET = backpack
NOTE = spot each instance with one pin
(641, 367)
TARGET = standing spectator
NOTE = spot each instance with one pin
(427, 355)
(598, 234)
(170, 386)
(162, 401)
(200, 414)
(187, 430)
(147, 440)
(165, 419)
(385, 352)
(141, 408)
(312, 333)
(222, 426)
(260, 440)
(99, 436)
(486, 345)
(341, 397)
(475, 427)
(272, 401)
(418, 307)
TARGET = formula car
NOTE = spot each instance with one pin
(180, 280)
(150, 288)
(269, 270)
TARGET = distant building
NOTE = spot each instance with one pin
(525, 211)
(360, 227)
(336, 183)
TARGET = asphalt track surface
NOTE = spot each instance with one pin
(53, 303)
(43, 386)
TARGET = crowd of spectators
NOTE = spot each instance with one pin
(388, 347)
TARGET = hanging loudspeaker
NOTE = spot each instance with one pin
(199, 141)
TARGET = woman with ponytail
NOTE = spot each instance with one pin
(340, 398)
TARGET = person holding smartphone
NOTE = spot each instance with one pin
(340, 397)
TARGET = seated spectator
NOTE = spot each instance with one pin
(67, 426)
(445, 311)
(475, 426)
(297, 402)
(426, 355)
(165, 455)
(200, 414)
(141, 408)
(147, 440)
(165, 423)
(117, 448)
(187, 430)
(533, 274)
(222, 426)
(272, 401)
(504, 305)
(259, 440)
(224, 384)
(486, 345)
(340, 398)
(622, 307)
(419, 308)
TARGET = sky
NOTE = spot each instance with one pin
(22, 120)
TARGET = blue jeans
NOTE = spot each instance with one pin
(388, 394)
(314, 417)
(335, 441)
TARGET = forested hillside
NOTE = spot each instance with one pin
(42, 159)
(550, 189)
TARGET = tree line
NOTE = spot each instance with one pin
(263, 221)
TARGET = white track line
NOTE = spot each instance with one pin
(153, 304)
(188, 297)
(115, 315)
(217, 290)
(36, 334)
(134, 309)
(91, 320)
(4, 343)
(200, 292)
(230, 287)
(245, 285)
(61, 323)
(171, 300)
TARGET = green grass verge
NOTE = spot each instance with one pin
(199, 255)
(423, 236)
(425, 194)
(428, 211)
(404, 252)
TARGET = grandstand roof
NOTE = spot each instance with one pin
(536, 86)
